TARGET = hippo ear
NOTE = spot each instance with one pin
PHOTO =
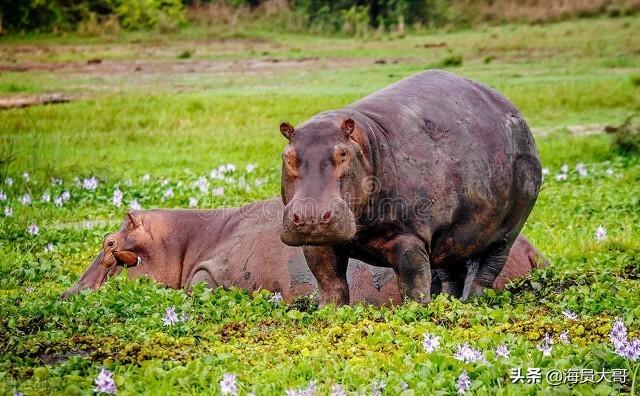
(134, 221)
(347, 127)
(287, 130)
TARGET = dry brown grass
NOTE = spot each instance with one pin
(539, 11)
(221, 13)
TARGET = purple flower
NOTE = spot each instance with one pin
(33, 229)
(193, 202)
(8, 181)
(251, 168)
(65, 196)
(632, 351)
(8, 212)
(430, 343)
(170, 317)
(90, 183)
(276, 298)
(561, 177)
(218, 192)
(25, 199)
(46, 197)
(58, 201)
(3, 196)
(600, 234)
(168, 193)
(618, 335)
(117, 198)
(49, 248)
(564, 168)
(228, 385)
(104, 383)
(16, 393)
(564, 337)
(310, 390)
(546, 345)
(503, 351)
(468, 355)
(463, 384)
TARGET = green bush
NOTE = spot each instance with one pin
(56, 15)
(626, 137)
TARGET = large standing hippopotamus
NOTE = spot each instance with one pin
(433, 172)
(241, 247)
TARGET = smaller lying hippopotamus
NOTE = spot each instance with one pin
(241, 247)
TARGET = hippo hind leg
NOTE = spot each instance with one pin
(451, 282)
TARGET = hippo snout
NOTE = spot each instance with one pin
(310, 222)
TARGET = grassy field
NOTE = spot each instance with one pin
(160, 111)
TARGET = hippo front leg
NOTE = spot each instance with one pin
(329, 265)
(409, 259)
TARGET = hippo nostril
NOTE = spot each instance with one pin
(296, 219)
(326, 216)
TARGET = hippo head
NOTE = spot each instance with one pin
(125, 248)
(325, 168)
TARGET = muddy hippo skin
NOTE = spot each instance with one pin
(435, 172)
(241, 247)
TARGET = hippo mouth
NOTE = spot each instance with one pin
(333, 233)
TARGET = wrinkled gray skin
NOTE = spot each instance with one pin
(240, 247)
(433, 173)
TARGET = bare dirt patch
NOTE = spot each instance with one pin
(26, 101)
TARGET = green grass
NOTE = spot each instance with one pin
(177, 126)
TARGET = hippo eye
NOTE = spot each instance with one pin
(343, 153)
(110, 243)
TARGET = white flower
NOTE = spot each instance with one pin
(250, 168)
(46, 197)
(546, 345)
(503, 351)
(216, 174)
(56, 182)
(545, 171)
(377, 387)
(90, 184)
(8, 181)
(58, 201)
(135, 205)
(582, 170)
(218, 192)
(338, 390)
(49, 248)
(193, 202)
(65, 196)
(609, 172)
(3, 196)
(570, 315)
(228, 385)
(168, 193)
(468, 355)
(117, 198)
(600, 234)
(564, 168)
(146, 177)
(25, 199)
(33, 229)
(430, 343)
(8, 212)
(88, 225)
(561, 177)
(203, 184)
(164, 182)
(26, 177)
(230, 168)
(564, 337)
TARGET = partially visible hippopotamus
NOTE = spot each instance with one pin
(435, 172)
(241, 247)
